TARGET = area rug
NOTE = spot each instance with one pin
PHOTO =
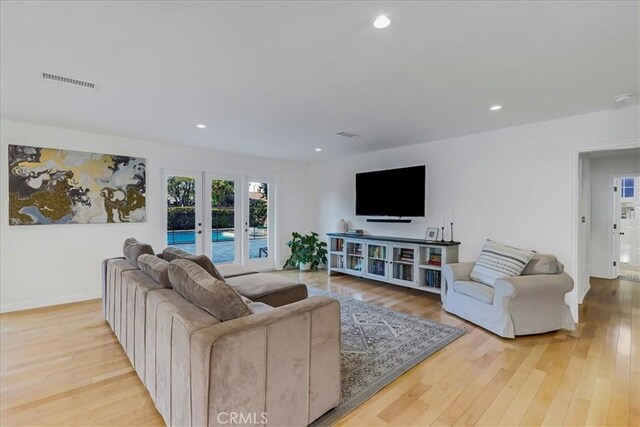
(629, 277)
(379, 345)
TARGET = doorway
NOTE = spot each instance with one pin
(226, 217)
(627, 227)
(598, 219)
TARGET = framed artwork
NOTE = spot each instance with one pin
(51, 186)
(432, 233)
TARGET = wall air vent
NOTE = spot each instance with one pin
(68, 80)
(347, 134)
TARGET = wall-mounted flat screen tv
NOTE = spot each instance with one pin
(391, 192)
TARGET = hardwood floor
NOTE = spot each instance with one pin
(63, 366)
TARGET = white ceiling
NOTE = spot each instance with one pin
(279, 79)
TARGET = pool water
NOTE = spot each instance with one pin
(181, 237)
(222, 247)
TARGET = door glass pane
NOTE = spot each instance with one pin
(181, 212)
(258, 220)
(223, 232)
(377, 256)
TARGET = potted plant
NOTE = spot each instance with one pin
(307, 251)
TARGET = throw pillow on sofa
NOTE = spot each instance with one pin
(156, 268)
(132, 249)
(541, 264)
(202, 289)
(497, 261)
(172, 253)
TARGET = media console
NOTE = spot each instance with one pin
(412, 263)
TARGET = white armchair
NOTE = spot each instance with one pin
(532, 303)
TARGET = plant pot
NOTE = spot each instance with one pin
(306, 266)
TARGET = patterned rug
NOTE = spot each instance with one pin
(379, 345)
(630, 277)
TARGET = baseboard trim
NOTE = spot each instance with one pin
(584, 293)
(45, 302)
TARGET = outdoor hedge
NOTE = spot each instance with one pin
(184, 218)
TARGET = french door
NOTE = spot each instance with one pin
(226, 217)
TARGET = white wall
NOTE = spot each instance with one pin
(513, 185)
(49, 264)
(603, 170)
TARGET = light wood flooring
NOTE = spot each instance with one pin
(63, 366)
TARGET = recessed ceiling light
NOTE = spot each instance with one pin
(201, 126)
(496, 108)
(318, 149)
(381, 22)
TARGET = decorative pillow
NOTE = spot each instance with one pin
(497, 261)
(541, 264)
(156, 268)
(132, 249)
(171, 253)
(202, 289)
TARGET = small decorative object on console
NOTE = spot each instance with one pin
(355, 231)
(432, 234)
(342, 226)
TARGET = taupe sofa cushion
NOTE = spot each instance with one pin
(132, 249)
(205, 291)
(156, 268)
(259, 307)
(541, 264)
(271, 289)
(234, 270)
(172, 253)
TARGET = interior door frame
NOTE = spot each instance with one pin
(615, 211)
(237, 217)
(572, 297)
(198, 177)
(267, 263)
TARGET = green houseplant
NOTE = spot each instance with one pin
(307, 251)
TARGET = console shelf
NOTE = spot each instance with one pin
(411, 263)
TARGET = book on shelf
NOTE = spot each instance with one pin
(405, 255)
(432, 278)
(376, 252)
(404, 272)
(435, 259)
(376, 267)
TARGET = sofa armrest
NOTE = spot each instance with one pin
(283, 362)
(534, 285)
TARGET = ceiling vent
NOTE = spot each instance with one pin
(347, 134)
(68, 80)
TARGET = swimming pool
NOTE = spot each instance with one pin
(225, 250)
(181, 237)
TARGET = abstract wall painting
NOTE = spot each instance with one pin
(51, 186)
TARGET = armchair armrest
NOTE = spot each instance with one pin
(285, 362)
(452, 273)
(458, 271)
(523, 286)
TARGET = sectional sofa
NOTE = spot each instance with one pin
(277, 365)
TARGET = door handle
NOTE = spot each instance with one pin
(622, 233)
(199, 231)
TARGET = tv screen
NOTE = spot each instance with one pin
(392, 192)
